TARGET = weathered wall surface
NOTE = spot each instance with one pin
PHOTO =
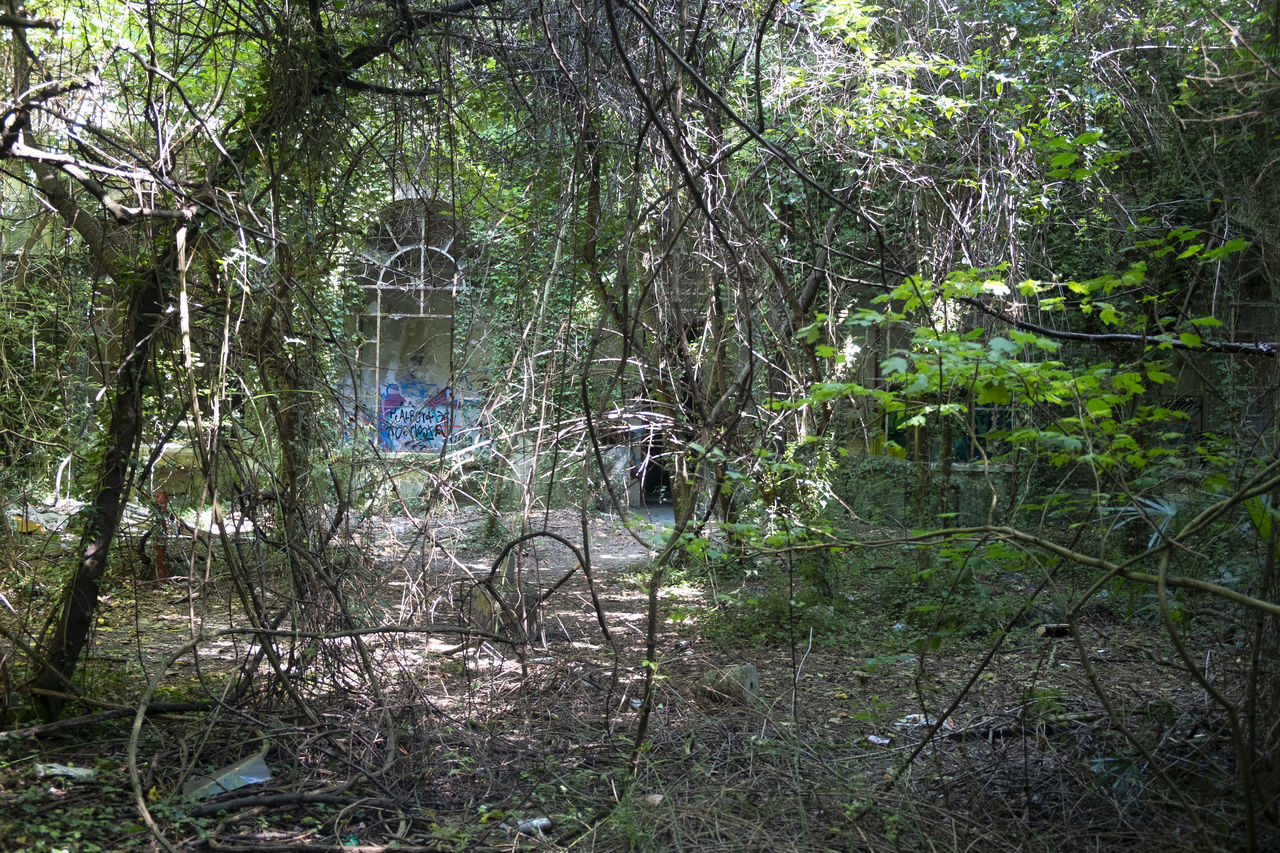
(423, 416)
(408, 400)
(411, 395)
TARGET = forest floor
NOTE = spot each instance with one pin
(412, 738)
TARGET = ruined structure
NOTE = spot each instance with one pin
(411, 394)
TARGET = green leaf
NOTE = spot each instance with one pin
(1002, 346)
(809, 334)
(993, 394)
(1127, 383)
(1216, 483)
(1189, 339)
(1135, 275)
(1098, 407)
(1261, 514)
(1227, 248)
(890, 366)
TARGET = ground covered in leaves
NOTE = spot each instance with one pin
(878, 723)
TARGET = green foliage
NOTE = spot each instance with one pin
(769, 615)
(96, 823)
(1263, 516)
(42, 350)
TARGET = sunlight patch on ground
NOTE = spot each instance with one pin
(624, 556)
(682, 591)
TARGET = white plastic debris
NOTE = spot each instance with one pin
(534, 826)
(878, 740)
(43, 770)
(45, 517)
(246, 771)
(923, 721)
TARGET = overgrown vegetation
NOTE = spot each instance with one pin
(948, 331)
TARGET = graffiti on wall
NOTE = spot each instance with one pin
(417, 416)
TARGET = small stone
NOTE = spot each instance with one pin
(739, 683)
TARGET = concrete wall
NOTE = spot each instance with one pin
(412, 394)
(409, 398)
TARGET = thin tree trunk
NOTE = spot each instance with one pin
(102, 518)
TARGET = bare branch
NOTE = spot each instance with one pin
(1269, 349)
(22, 22)
(122, 214)
(361, 56)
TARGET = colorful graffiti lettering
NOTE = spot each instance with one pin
(391, 403)
(440, 398)
(419, 417)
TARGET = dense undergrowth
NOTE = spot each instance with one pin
(1093, 736)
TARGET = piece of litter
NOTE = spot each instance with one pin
(534, 826)
(29, 528)
(246, 771)
(921, 721)
(877, 740)
(63, 770)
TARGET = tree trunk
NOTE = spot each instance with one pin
(102, 518)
